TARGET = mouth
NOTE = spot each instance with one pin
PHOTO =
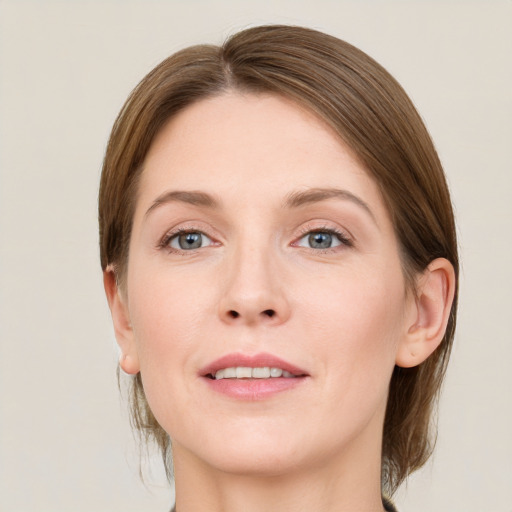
(252, 377)
(247, 372)
(257, 366)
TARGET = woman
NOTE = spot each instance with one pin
(280, 260)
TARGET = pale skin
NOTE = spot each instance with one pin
(250, 177)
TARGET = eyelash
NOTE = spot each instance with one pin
(342, 237)
(164, 243)
(305, 231)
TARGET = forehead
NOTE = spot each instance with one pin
(241, 145)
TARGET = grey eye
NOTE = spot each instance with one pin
(189, 241)
(320, 240)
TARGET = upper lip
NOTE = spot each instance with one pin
(260, 360)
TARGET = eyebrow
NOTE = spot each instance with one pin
(293, 200)
(315, 195)
(184, 196)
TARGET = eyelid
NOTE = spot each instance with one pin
(164, 242)
(343, 235)
(176, 238)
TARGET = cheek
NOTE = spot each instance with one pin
(358, 305)
(168, 318)
(167, 311)
(352, 329)
(357, 322)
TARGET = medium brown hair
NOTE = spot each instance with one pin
(372, 114)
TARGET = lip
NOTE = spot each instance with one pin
(252, 389)
(255, 361)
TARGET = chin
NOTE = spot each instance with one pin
(251, 453)
(255, 462)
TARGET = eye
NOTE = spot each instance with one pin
(323, 239)
(188, 240)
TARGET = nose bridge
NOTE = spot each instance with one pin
(253, 291)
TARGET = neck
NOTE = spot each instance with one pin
(346, 482)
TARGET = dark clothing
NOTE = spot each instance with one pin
(388, 506)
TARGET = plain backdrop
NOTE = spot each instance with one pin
(65, 70)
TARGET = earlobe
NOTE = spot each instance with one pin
(129, 360)
(129, 364)
(426, 323)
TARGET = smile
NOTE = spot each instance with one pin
(246, 372)
(252, 377)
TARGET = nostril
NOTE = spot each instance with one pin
(270, 313)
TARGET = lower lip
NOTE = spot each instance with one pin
(254, 389)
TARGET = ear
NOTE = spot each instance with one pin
(129, 360)
(428, 315)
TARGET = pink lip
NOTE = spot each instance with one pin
(255, 361)
(252, 389)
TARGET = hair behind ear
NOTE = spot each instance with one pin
(409, 427)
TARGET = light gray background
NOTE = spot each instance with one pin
(65, 70)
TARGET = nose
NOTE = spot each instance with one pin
(253, 290)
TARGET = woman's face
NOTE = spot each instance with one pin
(259, 241)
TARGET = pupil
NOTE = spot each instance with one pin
(320, 240)
(190, 241)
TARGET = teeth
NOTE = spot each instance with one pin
(229, 373)
(276, 372)
(261, 373)
(245, 372)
